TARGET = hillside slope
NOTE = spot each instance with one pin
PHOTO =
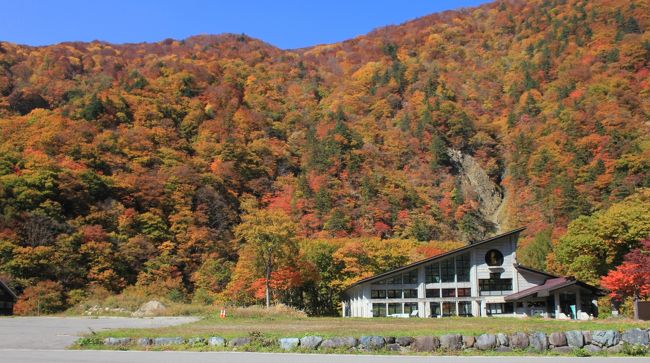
(124, 163)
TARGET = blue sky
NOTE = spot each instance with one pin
(283, 23)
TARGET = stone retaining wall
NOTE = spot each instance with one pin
(609, 341)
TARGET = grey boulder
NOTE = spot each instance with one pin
(239, 342)
(216, 341)
(117, 341)
(606, 338)
(519, 341)
(635, 336)
(288, 343)
(592, 348)
(538, 342)
(486, 342)
(143, 342)
(394, 347)
(404, 341)
(468, 341)
(451, 342)
(425, 344)
(575, 339)
(502, 340)
(615, 349)
(587, 335)
(564, 349)
(372, 342)
(339, 342)
(557, 339)
(168, 341)
(310, 342)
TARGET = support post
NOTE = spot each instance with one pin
(578, 305)
(556, 296)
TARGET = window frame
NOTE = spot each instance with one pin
(432, 273)
(436, 295)
(377, 309)
(412, 293)
(450, 292)
(463, 267)
(448, 270)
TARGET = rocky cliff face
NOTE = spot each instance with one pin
(476, 183)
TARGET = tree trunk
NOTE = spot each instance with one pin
(268, 286)
(636, 308)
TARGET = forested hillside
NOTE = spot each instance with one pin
(133, 165)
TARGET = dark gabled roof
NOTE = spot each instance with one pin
(535, 271)
(551, 285)
(6, 288)
(436, 257)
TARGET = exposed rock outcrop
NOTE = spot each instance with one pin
(475, 180)
(151, 308)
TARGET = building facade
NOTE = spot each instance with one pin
(480, 279)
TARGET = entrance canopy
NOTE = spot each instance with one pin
(551, 286)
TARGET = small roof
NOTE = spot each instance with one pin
(551, 285)
(433, 258)
(9, 290)
(535, 271)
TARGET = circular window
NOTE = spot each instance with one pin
(494, 258)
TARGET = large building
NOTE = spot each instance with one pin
(480, 279)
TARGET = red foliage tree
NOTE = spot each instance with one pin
(632, 277)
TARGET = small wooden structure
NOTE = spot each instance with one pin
(7, 299)
(643, 309)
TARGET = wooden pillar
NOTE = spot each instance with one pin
(578, 304)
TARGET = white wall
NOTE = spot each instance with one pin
(361, 303)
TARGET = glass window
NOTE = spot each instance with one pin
(435, 309)
(464, 292)
(462, 267)
(500, 308)
(378, 294)
(449, 309)
(465, 308)
(447, 270)
(411, 294)
(433, 292)
(394, 294)
(394, 309)
(410, 307)
(410, 277)
(378, 310)
(432, 273)
(448, 292)
(494, 286)
(395, 280)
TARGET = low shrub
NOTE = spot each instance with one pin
(634, 349)
(88, 341)
(581, 352)
(46, 297)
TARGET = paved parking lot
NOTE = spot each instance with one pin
(59, 332)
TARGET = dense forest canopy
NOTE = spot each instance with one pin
(132, 165)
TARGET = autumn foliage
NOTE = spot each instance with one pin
(46, 297)
(130, 165)
(631, 279)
